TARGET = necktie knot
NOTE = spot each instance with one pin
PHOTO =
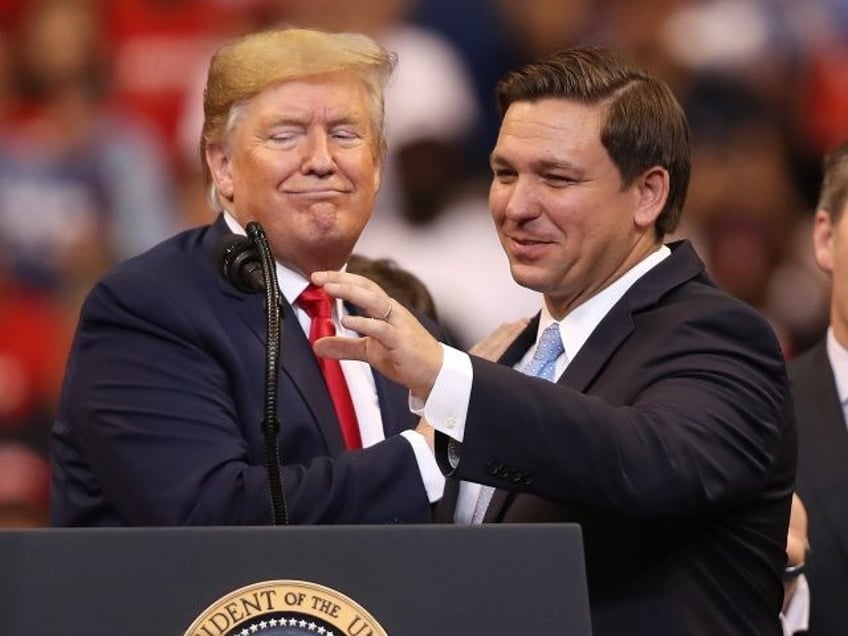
(315, 302)
(550, 348)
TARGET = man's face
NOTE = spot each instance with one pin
(302, 160)
(831, 248)
(566, 223)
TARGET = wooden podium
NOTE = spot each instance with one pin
(412, 580)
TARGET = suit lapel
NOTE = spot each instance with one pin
(681, 266)
(298, 362)
(300, 366)
(827, 439)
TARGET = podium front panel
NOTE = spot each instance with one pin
(413, 580)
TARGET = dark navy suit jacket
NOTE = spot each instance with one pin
(160, 417)
(822, 486)
(669, 438)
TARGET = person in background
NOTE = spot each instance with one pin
(24, 487)
(159, 419)
(658, 418)
(819, 379)
(403, 284)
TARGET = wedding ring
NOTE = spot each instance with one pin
(388, 313)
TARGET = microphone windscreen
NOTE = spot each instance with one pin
(239, 263)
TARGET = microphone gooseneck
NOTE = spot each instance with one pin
(248, 264)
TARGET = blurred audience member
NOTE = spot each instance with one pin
(745, 211)
(820, 391)
(34, 340)
(81, 184)
(24, 487)
(158, 46)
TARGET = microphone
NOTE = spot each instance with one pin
(240, 263)
(247, 262)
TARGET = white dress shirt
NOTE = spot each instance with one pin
(838, 356)
(796, 618)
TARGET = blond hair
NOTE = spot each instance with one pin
(245, 67)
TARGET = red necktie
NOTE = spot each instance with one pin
(317, 304)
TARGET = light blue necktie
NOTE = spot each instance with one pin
(542, 365)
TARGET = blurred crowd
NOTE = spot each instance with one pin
(100, 118)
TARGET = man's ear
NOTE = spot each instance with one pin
(651, 190)
(823, 232)
(378, 175)
(218, 161)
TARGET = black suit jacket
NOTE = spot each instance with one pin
(822, 486)
(160, 417)
(669, 439)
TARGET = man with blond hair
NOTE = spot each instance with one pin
(159, 421)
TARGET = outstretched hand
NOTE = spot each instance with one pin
(391, 338)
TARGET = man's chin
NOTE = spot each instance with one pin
(528, 276)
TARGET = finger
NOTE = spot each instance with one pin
(341, 348)
(374, 327)
(357, 290)
(333, 276)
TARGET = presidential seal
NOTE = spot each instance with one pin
(285, 608)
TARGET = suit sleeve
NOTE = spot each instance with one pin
(691, 418)
(149, 404)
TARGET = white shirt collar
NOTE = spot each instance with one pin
(291, 282)
(579, 324)
(839, 363)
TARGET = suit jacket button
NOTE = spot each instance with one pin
(503, 472)
(493, 468)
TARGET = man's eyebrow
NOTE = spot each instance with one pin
(495, 158)
(282, 120)
(551, 164)
(539, 165)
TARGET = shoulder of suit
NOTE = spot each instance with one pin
(807, 362)
(165, 261)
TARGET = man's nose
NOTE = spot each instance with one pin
(318, 158)
(522, 200)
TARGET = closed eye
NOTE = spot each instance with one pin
(283, 136)
(503, 175)
(558, 180)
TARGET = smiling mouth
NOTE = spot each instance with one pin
(527, 242)
(317, 193)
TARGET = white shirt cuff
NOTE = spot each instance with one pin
(797, 617)
(447, 406)
(434, 480)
